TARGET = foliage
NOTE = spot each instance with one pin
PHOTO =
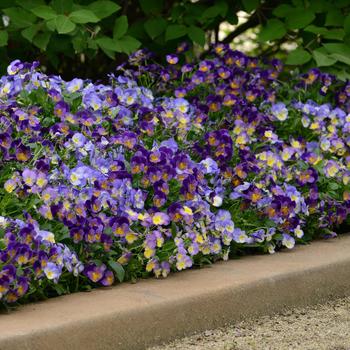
(82, 37)
(320, 28)
(87, 31)
(164, 168)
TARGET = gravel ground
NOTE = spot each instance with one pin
(321, 327)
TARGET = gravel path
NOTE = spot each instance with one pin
(321, 327)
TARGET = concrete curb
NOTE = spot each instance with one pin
(154, 311)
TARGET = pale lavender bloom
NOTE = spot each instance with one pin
(170, 143)
(92, 100)
(75, 85)
(129, 96)
(288, 241)
(78, 139)
(240, 236)
(79, 175)
(210, 166)
(331, 169)
(181, 104)
(279, 111)
(258, 236)
(29, 177)
(160, 218)
(14, 67)
(165, 266)
(52, 271)
(46, 235)
(172, 59)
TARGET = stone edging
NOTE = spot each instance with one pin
(154, 311)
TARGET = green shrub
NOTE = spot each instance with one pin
(88, 38)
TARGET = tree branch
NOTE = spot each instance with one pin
(252, 22)
(258, 17)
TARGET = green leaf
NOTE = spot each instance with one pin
(92, 44)
(222, 4)
(175, 31)
(51, 24)
(118, 269)
(137, 30)
(120, 27)
(340, 49)
(127, 44)
(282, 10)
(298, 56)
(341, 57)
(30, 4)
(59, 289)
(20, 18)
(3, 37)
(323, 59)
(176, 12)
(62, 6)
(109, 53)
(274, 29)
(334, 17)
(343, 75)
(151, 6)
(320, 6)
(333, 186)
(316, 30)
(250, 5)
(232, 18)
(347, 24)
(45, 12)
(29, 32)
(41, 40)
(83, 16)
(155, 26)
(299, 18)
(173, 229)
(7, 3)
(103, 8)
(211, 12)
(107, 43)
(336, 34)
(197, 35)
(79, 43)
(64, 25)
(341, 3)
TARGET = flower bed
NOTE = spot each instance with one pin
(164, 168)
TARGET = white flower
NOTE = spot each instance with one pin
(298, 232)
(217, 201)
(3, 221)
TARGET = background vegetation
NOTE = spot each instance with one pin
(88, 38)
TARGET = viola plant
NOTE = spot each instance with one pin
(164, 168)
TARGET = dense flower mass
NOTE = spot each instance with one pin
(164, 168)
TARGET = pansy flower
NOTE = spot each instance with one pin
(172, 59)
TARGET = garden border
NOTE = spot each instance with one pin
(154, 311)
